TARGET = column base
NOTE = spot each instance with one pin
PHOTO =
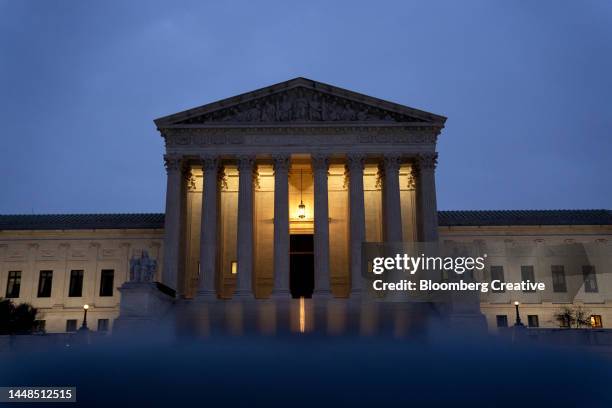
(322, 294)
(355, 294)
(243, 295)
(281, 294)
(206, 295)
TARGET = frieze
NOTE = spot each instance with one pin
(202, 137)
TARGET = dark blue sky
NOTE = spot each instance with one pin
(526, 85)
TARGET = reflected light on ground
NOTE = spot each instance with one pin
(302, 316)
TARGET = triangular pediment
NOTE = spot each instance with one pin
(299, 101)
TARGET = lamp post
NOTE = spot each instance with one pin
(518, 316)
(84, 326)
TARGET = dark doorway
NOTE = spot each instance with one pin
(301, 264)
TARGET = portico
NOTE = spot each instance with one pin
(238, 170)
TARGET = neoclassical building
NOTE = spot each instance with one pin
(239, 168)
(271, 194)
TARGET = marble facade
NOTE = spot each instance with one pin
(237, 171)
(231, 187)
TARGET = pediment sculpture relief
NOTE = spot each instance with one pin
(300, 105)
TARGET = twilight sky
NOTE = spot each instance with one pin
(527, 88)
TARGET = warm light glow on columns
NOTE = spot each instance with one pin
(244, 286)
(281, 226)
(208, 228)
(172, 220)
(355, 163)
(392, 216)
(320, 167)
(427, 209)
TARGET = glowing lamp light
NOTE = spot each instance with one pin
(234, 267)
(516, 303)
(84, 328)
(301, 207)
(302, 316)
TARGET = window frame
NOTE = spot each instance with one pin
(76, 324)
(40, 293)
(107, 325)
(528, 269)
(70, 283)
(15, 281)
(589, 274)
(102, 292)
(499, 318)
(598, 322)
(498, 269)
(558, 271)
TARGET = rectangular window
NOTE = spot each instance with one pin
(14, 284)
(44, 283)
(71, 325)
(558, 278)
(533, 321)
(76, 284)
(590, 278)
(497, 273)
(39, 326)
(527, 274)
(564, 321)
(102, 325)
(502, 320)
(596, 322)
(106, 282)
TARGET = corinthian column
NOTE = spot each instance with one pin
(320, 166)
(424, 173)
(172, 220)
(355, 164)
(208, 228)
(244, 287)
(281, 227)
(392, 210)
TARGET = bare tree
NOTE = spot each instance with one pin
(573, 316)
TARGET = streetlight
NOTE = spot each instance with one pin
(84, 326)
(518, 316)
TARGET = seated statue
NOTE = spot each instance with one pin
(143, 268)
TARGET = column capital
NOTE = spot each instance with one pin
(392, 162)
(245, 162)
(281, 161)
(427, 161)
(209, 162)
(320, 162)
(173, 162)
(355, 161)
